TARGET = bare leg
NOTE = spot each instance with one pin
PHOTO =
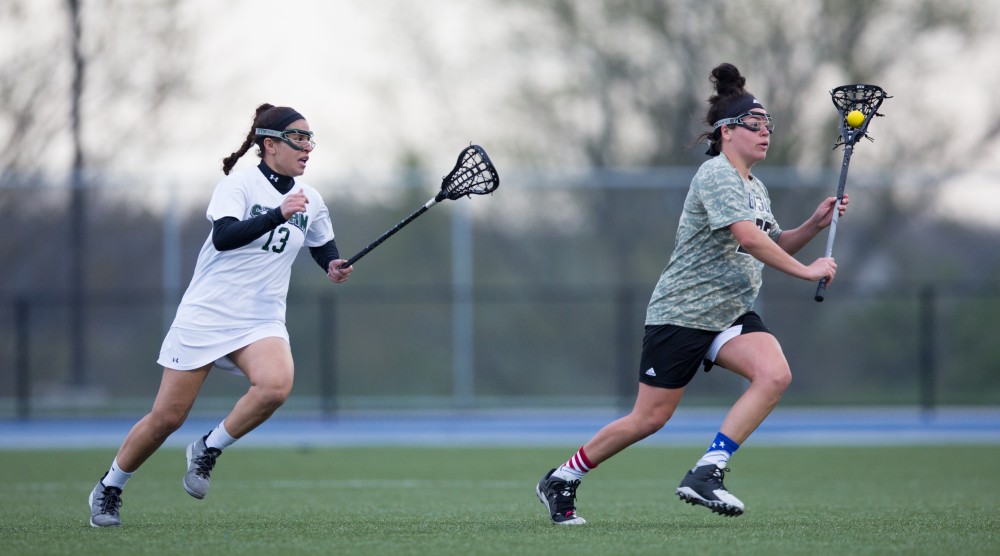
(653, 408)
(269, 366)
(757, 356)
(178, 390)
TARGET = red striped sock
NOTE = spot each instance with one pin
(575, 467)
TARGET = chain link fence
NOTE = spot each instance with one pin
(534, 297)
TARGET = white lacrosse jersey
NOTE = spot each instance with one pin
(248, 286)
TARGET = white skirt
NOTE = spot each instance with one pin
(184, 349)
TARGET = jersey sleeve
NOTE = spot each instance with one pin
(724, 197)
(228, 199)
(320, 229)
(775, 230)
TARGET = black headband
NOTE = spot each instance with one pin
(742, 105)
(738, 107)
(289, 117)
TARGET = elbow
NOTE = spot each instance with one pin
(750, 243)
(222, 238)
(221, 245)
(752, 239)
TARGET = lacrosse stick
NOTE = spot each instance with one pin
(473, 174)
(857, 105)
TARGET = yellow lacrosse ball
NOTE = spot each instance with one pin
(855, 118)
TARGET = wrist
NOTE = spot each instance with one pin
(276, 215)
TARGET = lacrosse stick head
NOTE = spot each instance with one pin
(473, 174)
(858, 97)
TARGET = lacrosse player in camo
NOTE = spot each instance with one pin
(232, 315)
(700, 310)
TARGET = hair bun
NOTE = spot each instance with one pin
(727, 80)
(264, 108)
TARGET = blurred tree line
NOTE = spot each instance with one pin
(564, 261)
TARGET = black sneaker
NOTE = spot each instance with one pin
(558, 496)
(104, 504)
(703, 487)
(201, 462)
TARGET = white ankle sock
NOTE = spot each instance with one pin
(219, 438)
(116, 477)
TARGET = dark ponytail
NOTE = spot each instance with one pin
(230, 161)
(267, 116)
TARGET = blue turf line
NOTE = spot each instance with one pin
(792, 426)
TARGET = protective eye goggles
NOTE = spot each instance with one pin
(298, 139)
(748, 120)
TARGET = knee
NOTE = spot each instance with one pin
(165, 422)
(650, 423)
(776, 378)
(272, 394)
(783, 378)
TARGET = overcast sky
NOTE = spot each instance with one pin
(367, 86)
(343, 65)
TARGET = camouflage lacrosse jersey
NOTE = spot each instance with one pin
(710, 280)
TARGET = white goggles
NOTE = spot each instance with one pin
(750, 120)
(298, 139)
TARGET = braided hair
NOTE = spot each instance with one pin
(267, 116)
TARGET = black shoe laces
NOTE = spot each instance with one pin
(563, 495)
(111, 500)
(206, 462)
(718, 475)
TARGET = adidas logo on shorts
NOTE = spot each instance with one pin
(650, 372)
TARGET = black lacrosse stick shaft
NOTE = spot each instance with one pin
(388, 233)
(867, 99)
(848, 150)
(473, 174)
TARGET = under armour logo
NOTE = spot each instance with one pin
(273, 178)
(175, 360)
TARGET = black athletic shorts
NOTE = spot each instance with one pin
(671, 354)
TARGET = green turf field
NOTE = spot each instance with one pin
(429, 501)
